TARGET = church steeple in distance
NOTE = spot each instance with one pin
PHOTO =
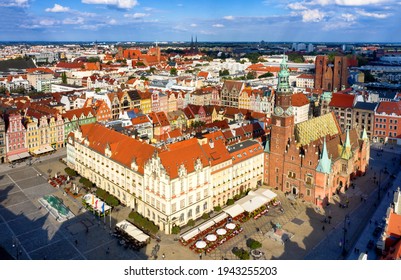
(284, 91)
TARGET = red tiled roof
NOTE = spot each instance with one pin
(389, 108)
(306, 76)
(99, 137)
(184, 152)
(299, 99)
(78, 112)
(342, 100)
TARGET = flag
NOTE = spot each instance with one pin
(93, 199)
(96, 203)
(103, 208)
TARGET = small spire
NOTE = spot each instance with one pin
(324, 165)
(364, 134)
(347, 140)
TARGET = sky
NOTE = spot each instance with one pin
(208, 20)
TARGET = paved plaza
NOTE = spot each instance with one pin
(28, 231)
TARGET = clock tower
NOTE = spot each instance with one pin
(283, 116)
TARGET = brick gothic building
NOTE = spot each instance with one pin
(331, 77)
(312, 159)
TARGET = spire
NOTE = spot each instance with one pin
(324, 165)
(283, 76)
(346, 148)
(364, 135)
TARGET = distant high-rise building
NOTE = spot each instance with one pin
(310, 48)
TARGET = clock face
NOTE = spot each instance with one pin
(289, 111)
(278, 111)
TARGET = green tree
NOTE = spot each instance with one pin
(63, 78)
(224, 72)
(173, 71)
(266, 75)
(251, 75)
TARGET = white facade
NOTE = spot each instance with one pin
(301, 113)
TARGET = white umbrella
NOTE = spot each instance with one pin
(211, 237)
(230, 226)
(200, 244)
(221, 231)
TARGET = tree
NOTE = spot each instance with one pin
(63, 78)
(251, 75)
(266, 75)
(224, 72)
(173, 71)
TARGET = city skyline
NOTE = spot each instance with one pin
(131, 20)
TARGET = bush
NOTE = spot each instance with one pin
(143, 222)
(191, 223)
(108, 198)
(217, 208)
(87, 184)
(205, 216)
(253, 244)
(241, 253)
(230, 201)
(175, 230)
(70, 172)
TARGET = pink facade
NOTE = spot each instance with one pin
(15, 136)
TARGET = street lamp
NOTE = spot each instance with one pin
(346, 219)
(17, 245)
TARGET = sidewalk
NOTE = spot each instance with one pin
(6, 167)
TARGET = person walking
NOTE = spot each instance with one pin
(163, 256)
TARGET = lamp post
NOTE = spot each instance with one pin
(17, 245)
(346, 219)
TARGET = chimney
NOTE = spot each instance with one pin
(211, 143)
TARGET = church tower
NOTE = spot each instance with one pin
(282, 131)
(283, 115)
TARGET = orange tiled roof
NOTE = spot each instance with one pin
(182, 153)
(124, 149)
(78, 112)
(389, 108)
(299, 99)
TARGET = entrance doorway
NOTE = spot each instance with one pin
(294, 190)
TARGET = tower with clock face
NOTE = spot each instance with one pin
(283, 115)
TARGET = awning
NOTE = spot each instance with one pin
(132, 231)
(42, 150)
(252, 202)
(19, 156)
(220, 217)
(264, 192)
(234, 210)
(206, 225)
(188, 235)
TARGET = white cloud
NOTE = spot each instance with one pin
(337, 25)
(374, 15)
(57, 9)
(218, 25)
(348, 17)
(228, 17)
(123, 4)
(348, 2)
(296, 6)
(312, 15)
(15, 3)
(78, 20)
(48, 22)
(136, 15)
(193, 25)
(112, 22)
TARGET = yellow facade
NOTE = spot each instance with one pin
(146, 106)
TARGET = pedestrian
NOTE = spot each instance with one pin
(340, 244)
(205, 252)
(200, 256)
(107, 251)
(76, 242)
(163, 256)
(370, 221)
(323, 228)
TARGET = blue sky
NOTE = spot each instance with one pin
(209, 20)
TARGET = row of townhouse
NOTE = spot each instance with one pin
(381, 120)
(36, 132)
(169, 185)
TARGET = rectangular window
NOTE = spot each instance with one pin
(182, 203)
(308, 192)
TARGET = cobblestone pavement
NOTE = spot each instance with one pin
(38, 235)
